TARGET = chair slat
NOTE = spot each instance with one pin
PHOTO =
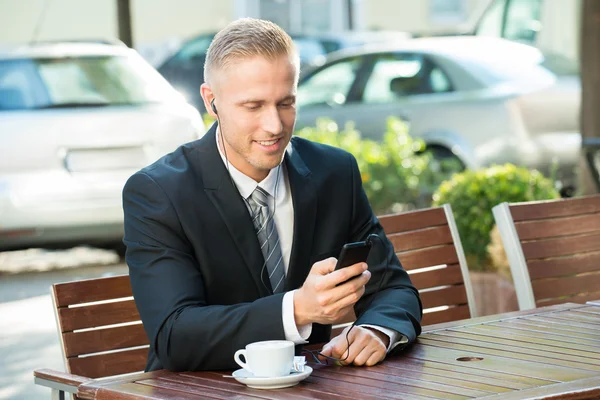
(555, 267)
(450, 275)
(428, 257)
(421, 238)
(558, 227)
(97, 315)
(452, 314)
(578, 298)
(91, 290)
(109, 364)
(552, 208)
(567, 286)
(413, 220)
(99, 340)
(447, 296)
(563, 246)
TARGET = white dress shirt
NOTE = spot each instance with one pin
(277, 185)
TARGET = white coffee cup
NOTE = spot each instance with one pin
(267, 359)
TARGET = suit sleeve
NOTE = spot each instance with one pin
(185, 332)
(396, 305)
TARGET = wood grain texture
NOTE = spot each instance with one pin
(91, 290)
(569, 265)
(100, 340)
(509, 358)
(109, 364)
(557, 227)
(553, 209)
(98, 315)
(413, 220)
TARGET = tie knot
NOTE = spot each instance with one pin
(260, 196)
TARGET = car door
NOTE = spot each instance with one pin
(325, 92)
(405, 85)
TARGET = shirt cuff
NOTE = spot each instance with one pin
(296, 334)
(395, 337)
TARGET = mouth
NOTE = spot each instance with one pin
(267, 142)
(270, 145)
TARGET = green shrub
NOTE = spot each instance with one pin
(472, 194)
(396, 172)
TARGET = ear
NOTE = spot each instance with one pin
(208, 96)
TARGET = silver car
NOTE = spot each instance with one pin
(76, 120)
(481, 100)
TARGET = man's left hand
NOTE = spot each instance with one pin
(367, 346)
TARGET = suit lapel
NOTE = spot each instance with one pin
(304, 197)
(229, 203)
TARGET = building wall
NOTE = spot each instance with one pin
(412, 15)
(153, 20)
(63, 19)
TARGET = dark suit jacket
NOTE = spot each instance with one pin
(195, 261)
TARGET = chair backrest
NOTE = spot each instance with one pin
(99, 327)
(553, 248)
(429, 248)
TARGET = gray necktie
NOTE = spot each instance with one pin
(268, 238)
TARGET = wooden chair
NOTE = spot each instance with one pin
(100, 331)
(429, 248)
(553, 248)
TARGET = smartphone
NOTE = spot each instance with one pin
(353, 253)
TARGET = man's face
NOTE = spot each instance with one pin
(256, 102)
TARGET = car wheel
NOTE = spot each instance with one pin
(444, 160)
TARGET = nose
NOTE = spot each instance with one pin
(271, 121)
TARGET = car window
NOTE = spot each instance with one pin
(491, 22)
(309, 49)
(69, 82)
(19, 85)
(399, 75)
(329, 85)
(104, 80)
(523, 20)
(195, 48)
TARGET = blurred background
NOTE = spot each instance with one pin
(426, 94)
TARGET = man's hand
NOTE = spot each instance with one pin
(320, 300)
(367, 346)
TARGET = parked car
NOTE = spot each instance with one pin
(480, 100)
(185, 69)
(76, 120)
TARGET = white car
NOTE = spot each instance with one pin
(76, 120)
(480, 100)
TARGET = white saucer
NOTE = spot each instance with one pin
(245, 377)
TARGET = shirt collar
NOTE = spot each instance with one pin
(244, 183)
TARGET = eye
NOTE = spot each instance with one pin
(253, 106)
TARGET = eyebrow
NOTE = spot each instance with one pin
(259, 101)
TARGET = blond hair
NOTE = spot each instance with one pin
(246, 38)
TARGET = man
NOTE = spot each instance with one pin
(231, 239)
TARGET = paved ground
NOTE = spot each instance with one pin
(28, 336)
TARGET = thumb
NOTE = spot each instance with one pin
(324, 267)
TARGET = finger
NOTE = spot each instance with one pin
(324, 267)
(344, 274)
(364, 356)
(377, 357)
(349, 344)
(325, 352)
(340, 345)
(348, 294)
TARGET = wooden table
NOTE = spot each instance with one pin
(551, 352)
